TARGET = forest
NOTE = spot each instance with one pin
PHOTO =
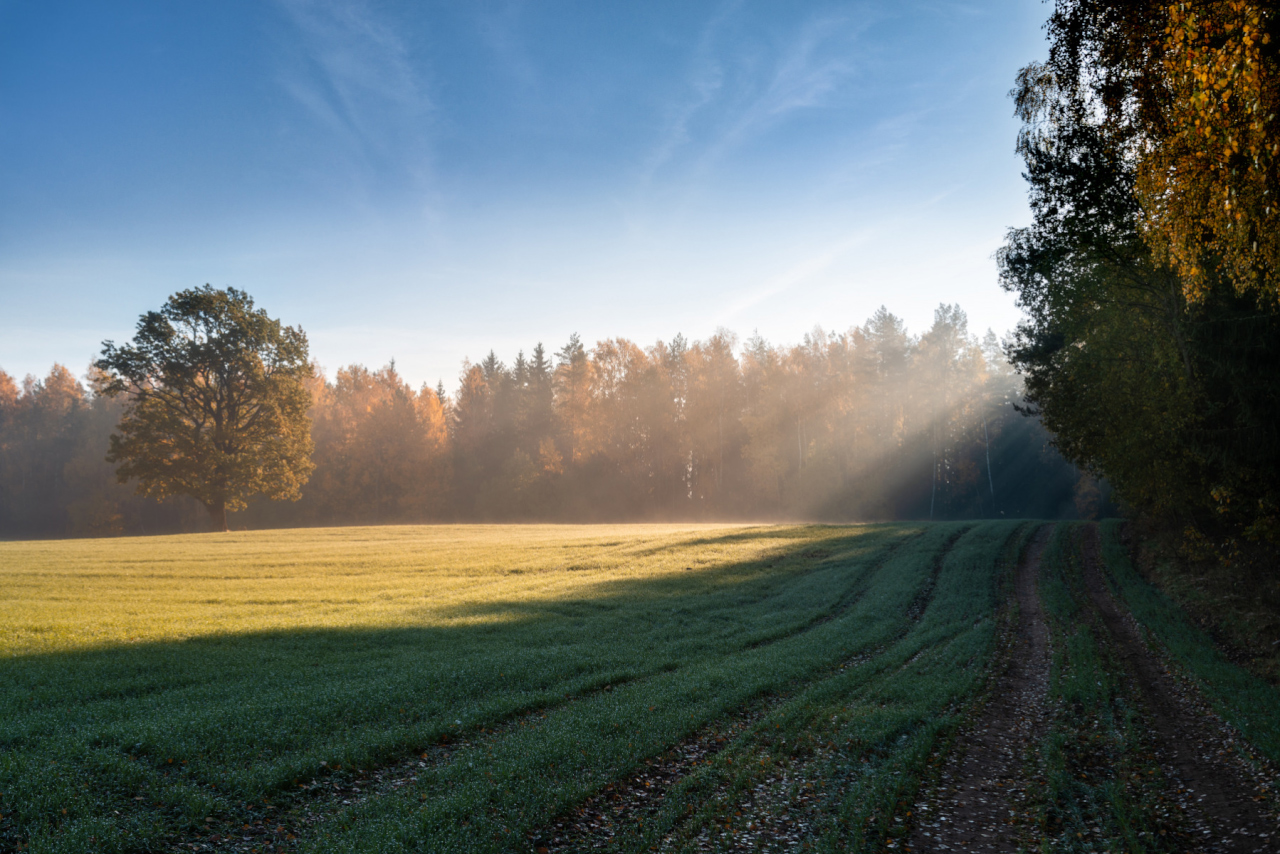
(870, 424)
(1150, 274)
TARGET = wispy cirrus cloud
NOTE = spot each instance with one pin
(797, 275)
(705, 81)
(352, 71)
(810, 68)
(733, 94)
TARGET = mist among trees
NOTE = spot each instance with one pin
(869, 424)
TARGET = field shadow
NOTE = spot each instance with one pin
(617, 626)
(172, 731)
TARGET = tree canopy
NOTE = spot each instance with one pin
(1189, 92)
(1152, 340)
(217, 402)
(869, 423)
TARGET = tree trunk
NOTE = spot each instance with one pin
(933, 494)
(986, 441)
(218, 515)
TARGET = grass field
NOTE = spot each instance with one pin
(470, 688)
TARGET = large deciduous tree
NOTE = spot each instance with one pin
(216, 402)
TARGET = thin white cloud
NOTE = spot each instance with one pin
(353, 74)
(735, 96)
(803, 77)
(705, 81)
(798, 274)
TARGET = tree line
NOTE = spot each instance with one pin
(872, 423)
(1150, 275)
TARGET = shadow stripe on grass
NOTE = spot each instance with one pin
(591, 825)
(828, 766)
(292, 812)
(140, 775)
(490, 802)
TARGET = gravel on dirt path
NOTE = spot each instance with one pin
(981, 798)
(1223, 806)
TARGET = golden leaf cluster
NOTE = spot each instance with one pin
(1207, 180)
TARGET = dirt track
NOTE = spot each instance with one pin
(980, 802)
(983, 785)
(1217, 799)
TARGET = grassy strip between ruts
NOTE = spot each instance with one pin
(127, 747)
(849, 750)
(1241, 698)
(1103, 788)
(887, 709)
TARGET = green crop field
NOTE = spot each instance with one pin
(471, 688)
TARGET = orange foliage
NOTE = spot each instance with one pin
(1207, 177)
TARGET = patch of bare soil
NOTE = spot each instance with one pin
(1223, 805)
(982, 795)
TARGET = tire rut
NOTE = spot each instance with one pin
(984, 785)
(284, 818)
(1222, 806)
(595, 823)
(631, 801)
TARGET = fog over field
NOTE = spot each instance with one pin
(681, 427)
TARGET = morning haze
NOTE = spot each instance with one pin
(653, 427)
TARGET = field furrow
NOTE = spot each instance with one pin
(251, 716)
(299, 812)
(838, 746)
(536, 774)
(1110, 775)
(621, 811)
(629, 688)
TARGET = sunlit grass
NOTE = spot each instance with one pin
(77, 594)
(164, 690)
(148, 684)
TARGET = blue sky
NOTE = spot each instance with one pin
(426, 181)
